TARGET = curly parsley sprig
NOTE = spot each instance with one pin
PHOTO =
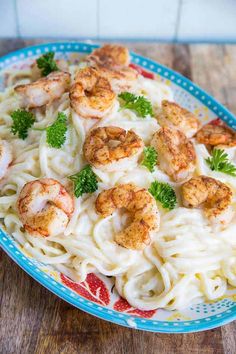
(150, 158)
(22, 121)
(47, 64)
(139, 104)
(164, 193)
(56, 132)
(84, 181)
(219, 161)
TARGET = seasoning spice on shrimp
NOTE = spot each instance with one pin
(137, 201)
(91, 96)
(174, 116)
(113, 64)
(43, 91)
(215, 197)
(216, 133)
(112, 148)
(110, 55)
(121, 79)
(45, 207)
(176, 153)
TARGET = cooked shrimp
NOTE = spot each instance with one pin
(110, 55)
(44, 90)
(137, 201)
(113, 61)
(122, 79)
(37, 74)
(112, 148)
(174, 116)
(5, 157)
(91, 95)
(213, 195)
(216, 133)
(45, 207)
(176, 154)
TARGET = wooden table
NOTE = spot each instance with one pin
(33, 320)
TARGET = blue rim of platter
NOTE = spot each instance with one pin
(10, 247)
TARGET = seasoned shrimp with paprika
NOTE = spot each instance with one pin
(213, 195)
(110, 55)
(112, 148)
(45, 207)
(121, 79)
(142, 207)
(45, 90)
(216, 133)
(174, 116)
(113, 61)
(5, 157)
(176, 153)
(91, 96)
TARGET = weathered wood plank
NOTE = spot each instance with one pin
(229, 338)
(213, 68)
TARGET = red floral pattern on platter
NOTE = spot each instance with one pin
(122, 305)
(93, 288)
(217, 122)
(142, 72)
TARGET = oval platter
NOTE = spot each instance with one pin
(96, 295)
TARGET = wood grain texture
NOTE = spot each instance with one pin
(32, 320)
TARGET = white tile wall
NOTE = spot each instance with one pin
(138, 19)
(207, 20)
(181, 20)
(57, 18)
(8, 26)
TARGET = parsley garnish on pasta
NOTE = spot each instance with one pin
(219, 161)
(84, 181)
(56, 132)
(47, 64)
(163, 193)
(139, 104)
(150, 158)
(22, 122)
